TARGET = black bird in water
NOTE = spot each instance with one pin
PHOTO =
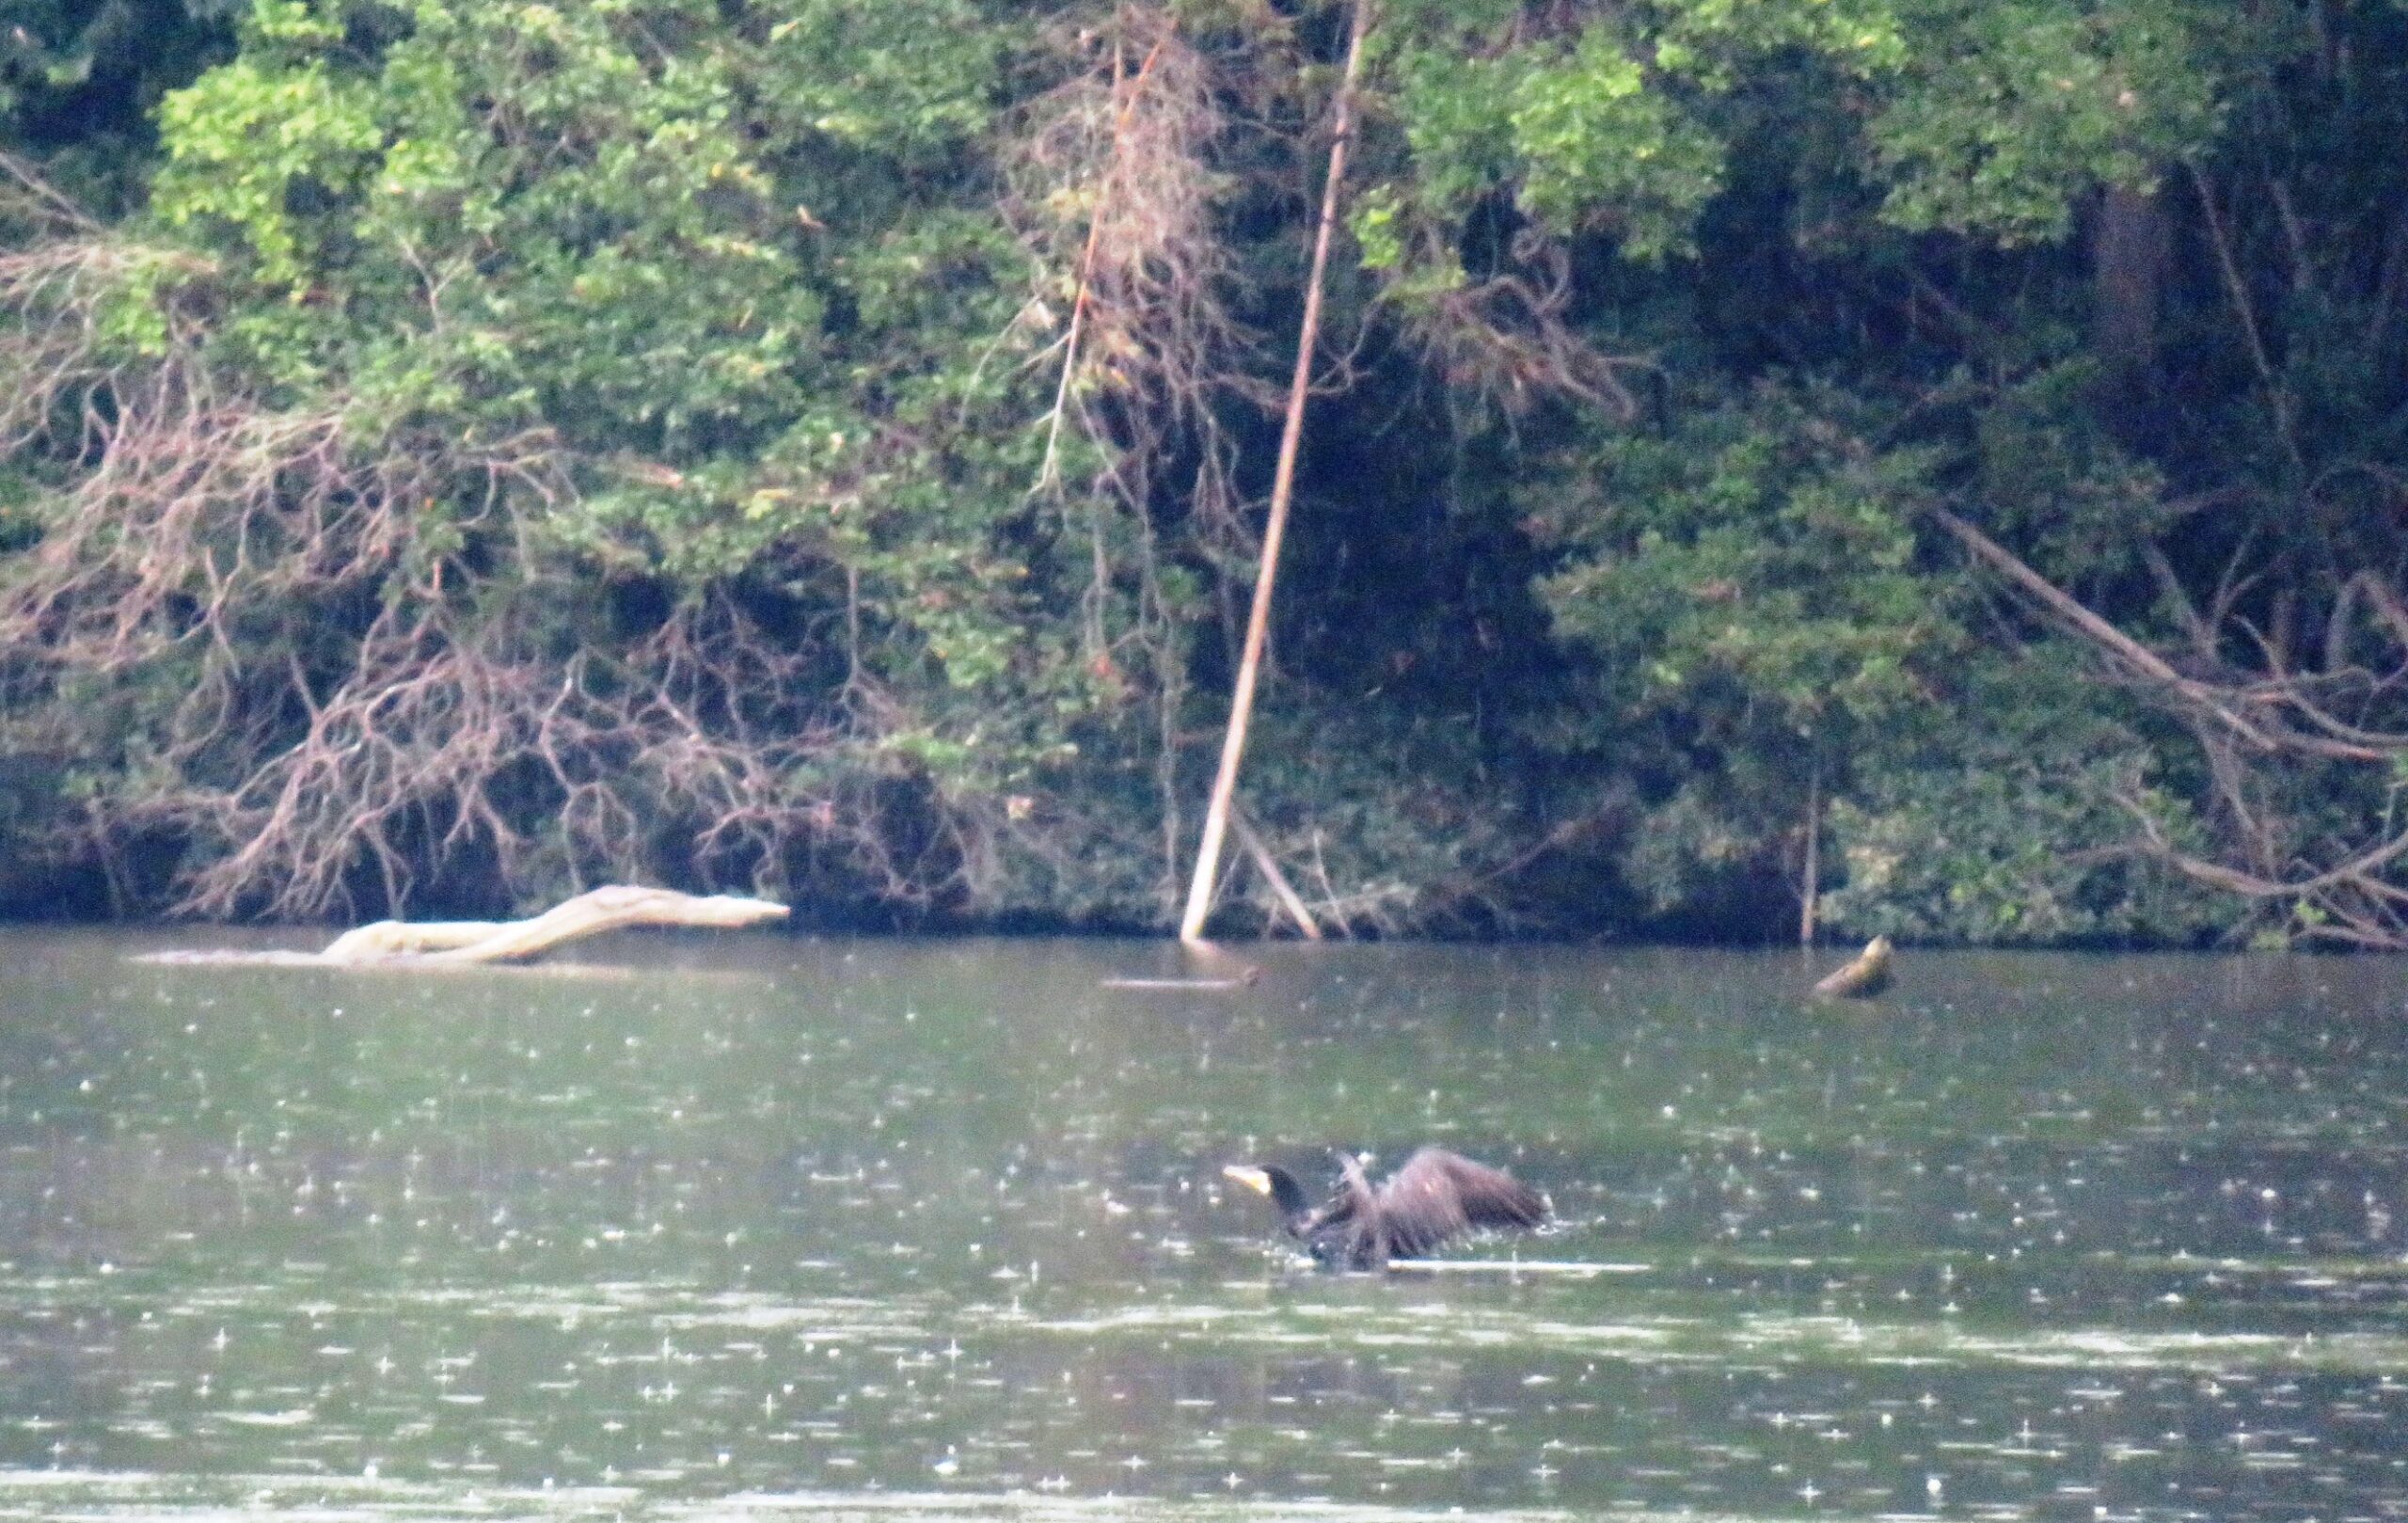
(1436, 1198)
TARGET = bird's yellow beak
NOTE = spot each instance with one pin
(1252, 1179)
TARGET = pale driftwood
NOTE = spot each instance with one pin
(239, 956)
(1864, 977)
(382, 939)
(612, 907)
(390, 944)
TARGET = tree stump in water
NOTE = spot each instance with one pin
(1864, 977)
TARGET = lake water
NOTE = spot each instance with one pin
(762, 1228)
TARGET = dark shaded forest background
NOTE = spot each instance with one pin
(1936, 465)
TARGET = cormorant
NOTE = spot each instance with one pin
(1436, 1198)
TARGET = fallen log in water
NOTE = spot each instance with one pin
(480, 943)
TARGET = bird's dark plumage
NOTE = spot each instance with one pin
(1435, 1198)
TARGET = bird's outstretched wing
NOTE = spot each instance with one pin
(1439, 1194)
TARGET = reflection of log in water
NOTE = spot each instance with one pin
(1513, 1266)
(483, 943)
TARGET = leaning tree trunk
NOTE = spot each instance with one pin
(1216, 814)
(1813, 871)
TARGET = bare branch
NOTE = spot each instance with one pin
(322, 705)
(2248, 729)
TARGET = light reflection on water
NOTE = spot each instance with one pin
(769, 1228)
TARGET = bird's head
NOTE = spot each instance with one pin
(1273, 1181)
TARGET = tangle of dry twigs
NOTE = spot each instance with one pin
(328, 665)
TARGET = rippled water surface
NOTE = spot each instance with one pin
(760, 1228)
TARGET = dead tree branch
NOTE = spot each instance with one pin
(2258, 734)
(325, 663)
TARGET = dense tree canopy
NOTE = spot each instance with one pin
(1936, 462)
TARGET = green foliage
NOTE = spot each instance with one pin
(666, 383)
(1608, 126)
(530, 215)
(1592, 135)
(2050, 475)
(78, 80)
(2007, 113)
(708, 283)
(250, 138)
(1998, 829)
(1764, 552)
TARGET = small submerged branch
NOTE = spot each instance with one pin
(1244, 981)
